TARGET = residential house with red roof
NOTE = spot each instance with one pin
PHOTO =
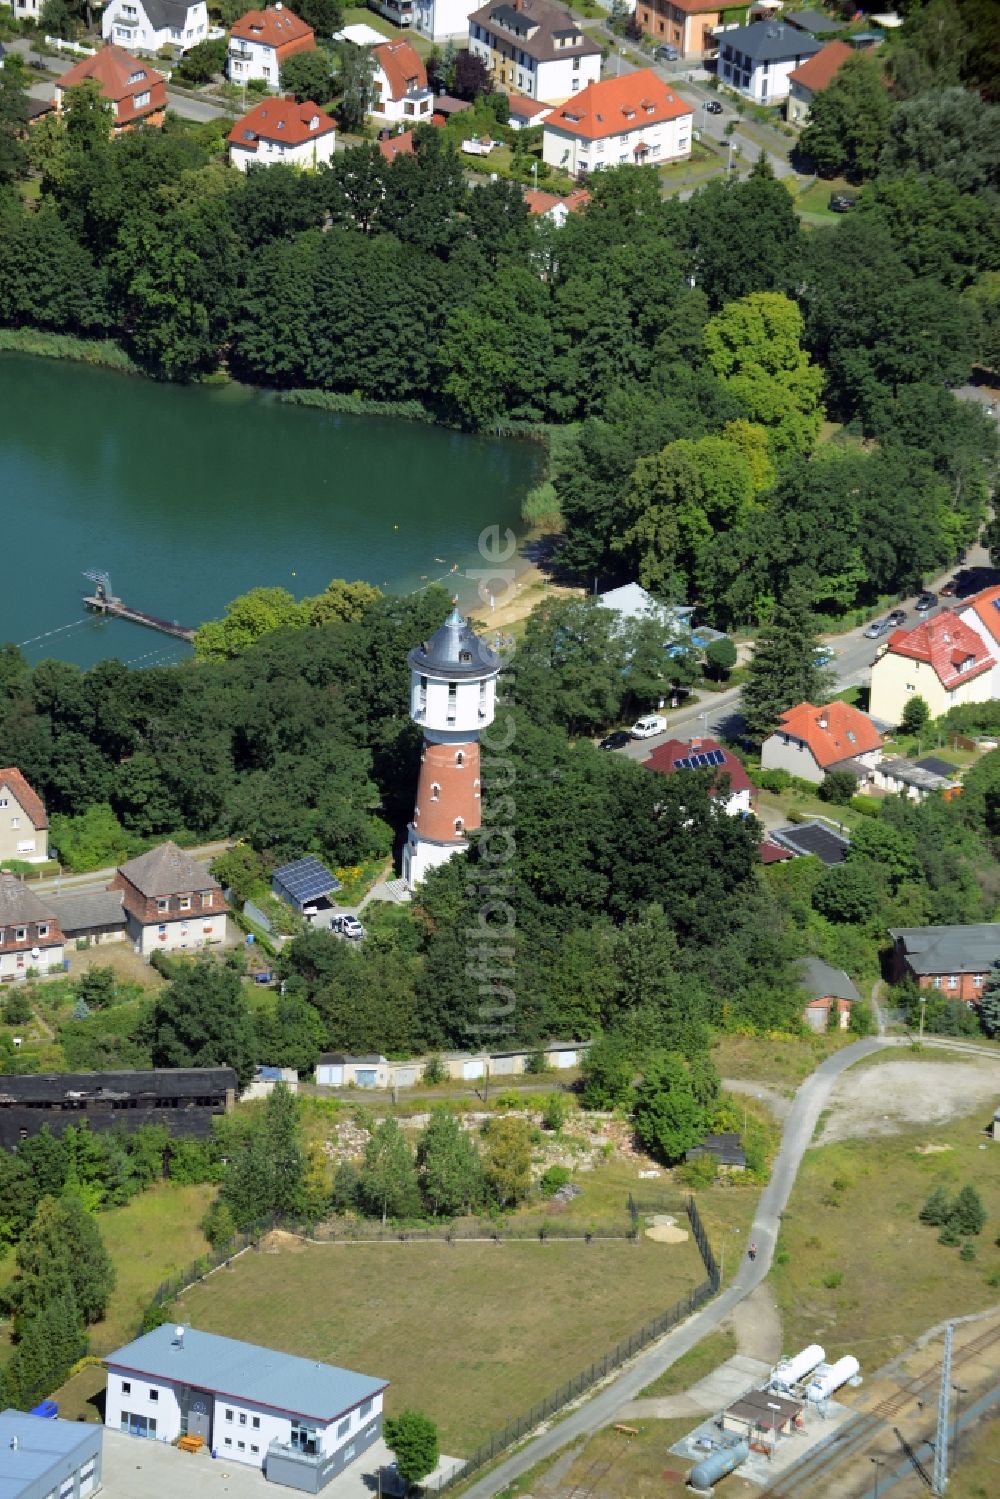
(551, 206)
(688, 25)
(729, 778)
(637, 119)
(812, 77)
(263, 40)
(981, 612)
(281, 130)
(524, 113)
(811, 741)
(136, 92)
(396, 145)
(24, 823)
(943, 660)
(401, 88)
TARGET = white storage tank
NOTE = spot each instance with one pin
(825, 1383)
(794, 1370)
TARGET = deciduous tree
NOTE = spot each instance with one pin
(201, 1020)
(413, 1439)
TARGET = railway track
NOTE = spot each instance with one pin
(809, 1474)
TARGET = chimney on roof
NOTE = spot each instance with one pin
(823, 721)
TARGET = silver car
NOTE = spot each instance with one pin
(878, 628)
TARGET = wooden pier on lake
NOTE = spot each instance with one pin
(104, 601)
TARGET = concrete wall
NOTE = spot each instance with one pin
(15, 965)
(464, 1066)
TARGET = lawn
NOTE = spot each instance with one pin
(781, 1063)
(856, 1270)
(695, 1364)
(356, 15)
(615, 1465)
(470, 1333)
(815, 199)
(977, 1474)
(805, 805)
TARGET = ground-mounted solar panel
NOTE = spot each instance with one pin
(306, 879)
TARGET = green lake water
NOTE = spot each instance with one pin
(189, 496)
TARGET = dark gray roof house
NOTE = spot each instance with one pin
(821, 980)
(725, 1147)
(456, 650)
(829, 846)
(183, 1099)
(541, 29)
(933, 950)
(769, 41)
(96, 913)
(813, 21)
(166, 870)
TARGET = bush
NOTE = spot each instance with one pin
(536, 1063)
(838, 787)
(219, 1225)
(948, 1235)
(699, 1172)
(968, 1216)
(833, 1279)
(937, 1209)
(554, 1112)
(773, 780)
(554, 1178)
(435, 1072)
(967, 1251)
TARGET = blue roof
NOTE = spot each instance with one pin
(306, 879)
(41, 1444)
(245, 1371)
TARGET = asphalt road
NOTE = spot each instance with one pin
(799, 1127)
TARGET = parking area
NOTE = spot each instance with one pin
(136, 1469)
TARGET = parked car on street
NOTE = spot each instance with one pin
(877, 628)
(713, 107)
(823, 655)
(616, 740)
(897, 617)
(926, 601)
(645, 728)
(950, 589)
(666, 53)
(348, 926)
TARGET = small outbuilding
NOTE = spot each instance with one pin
(759, 1412)
(336, 1070)
(95, 916)
(306, 885)
(824, 843)
(42, 1456)
(830, 991)
(727, 1148)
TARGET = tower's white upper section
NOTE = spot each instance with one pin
(453, 679)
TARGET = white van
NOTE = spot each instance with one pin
(645, 728)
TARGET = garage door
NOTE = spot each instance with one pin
(565, 1058)
(365, 1077)
(503, 1066)
(405, 1077)
(88, 1474)
(474, 1067)
(331, 1077)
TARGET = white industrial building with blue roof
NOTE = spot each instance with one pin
(302, 1422)
(42, 1457)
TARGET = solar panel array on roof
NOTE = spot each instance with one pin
(701, 761)
(306, 879)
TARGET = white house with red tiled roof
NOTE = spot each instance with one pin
(810, 741)
(551, 206)
(981, 613)
(401, 88)
(944, 660)
(136, 92)
(729, 777)
(637, 119)
(24, 824)
(263, 40)
(524, 113)
(281, 130)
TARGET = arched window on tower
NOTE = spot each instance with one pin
(459, 757)
(475, 786)
(459, 824)
(435, 791)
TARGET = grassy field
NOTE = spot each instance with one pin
(804, 804)
(815, 199)
(614, 1465)
(695, 1364)
(977, 1475)
(356, 15)
(495, 1326)
(855, 1269)
(781, 1063)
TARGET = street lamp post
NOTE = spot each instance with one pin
(923, 1011)
(880, 1463)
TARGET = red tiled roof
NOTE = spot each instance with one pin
(952, 647)
(833, 732)
(523, 108)
(665, 756)
(122, 78)
(30, 802)
(987, 606)
(541, 202)
(281, 120)
(276, 27)
(773, 853)
(397, 145)
(618, 104)
(403, 68)
(818, 71)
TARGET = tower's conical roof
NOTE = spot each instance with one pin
(455, 650)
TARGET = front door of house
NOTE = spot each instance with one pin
(199, 1422)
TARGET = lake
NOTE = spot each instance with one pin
(190, 495)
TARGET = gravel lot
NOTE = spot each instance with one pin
(887, 1096)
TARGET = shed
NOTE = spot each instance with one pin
(761, 1411)
(829, 989)
(725, 1147)
(825, 843)
(45, 1455)
(98, 916)
(562, 1054)
(338, 1070)
(305, 885)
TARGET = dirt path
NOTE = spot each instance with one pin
(882, 1099)
(758, 1325)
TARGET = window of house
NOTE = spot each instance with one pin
(185, 902)
(452, 699)
(15, 822)
(952, 981)
(459, 824)
(255, 1423)
(344, 1427)
(243, 1418)
(435, 792)
(163, 905)
(977, 980)
(207, 896)
(3, 801)
(242, 1446)
(254, 1448)
(229, 1415)
(365, 1410)
(154, 1394)
(228, 1441)
(43, 929)
(126, 1387)
(20, 933)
